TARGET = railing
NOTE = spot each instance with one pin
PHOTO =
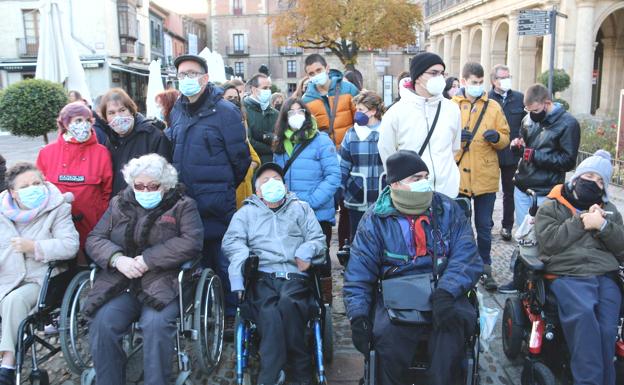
(618, 168)
(290, 51)
(237, 51)
(28, 47)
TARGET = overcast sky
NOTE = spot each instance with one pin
(184, 6)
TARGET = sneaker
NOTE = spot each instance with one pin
(505, 234)
(7, 376)
(508, 288)
(488, 282)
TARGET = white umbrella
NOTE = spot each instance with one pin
(57, 59)
(154, 86)
(216, 69)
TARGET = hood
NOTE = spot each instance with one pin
(383, 205)
(56, 197)
(256, 201)
(409, 96)
(557, 194)
(334, 75)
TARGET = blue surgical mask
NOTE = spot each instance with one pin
(32, 196)
(190, 87)
(148, 199)
(264, 97)
(474, 91)
(319, 79)
(422, 185)
(360, 118)
(273, 190)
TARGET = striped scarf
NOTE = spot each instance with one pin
(11, 210)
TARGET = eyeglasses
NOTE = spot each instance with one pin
(504, 77)
(295, 112)
(435, 73)
(190, 75)
(149, 187)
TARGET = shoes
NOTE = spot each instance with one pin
(7, 376)
(488, 282)
(228, 328)
(508, 288)
(505, 234)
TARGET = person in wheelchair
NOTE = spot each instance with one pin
(149, 230)
(397, 242)
(580, 238)
(285, 234)
(35, 228)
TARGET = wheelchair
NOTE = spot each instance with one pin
(200, 323)
(247, 339)
(47, 310)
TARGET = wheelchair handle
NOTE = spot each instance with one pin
(533, 208)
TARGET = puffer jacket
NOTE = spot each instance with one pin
(260, 123)
(479, 170)
(385, 241)
(513, 107)
(314, 176)
(211, 155)
(405, 127)
(555, 141)
(565, 246)
(276, 237)
(321, 105)
(55, 239)
(166, 236)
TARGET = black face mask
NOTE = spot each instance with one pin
(235, 101)
(278, 106)
(586, 194)
(538, 117)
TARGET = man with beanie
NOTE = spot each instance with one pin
(408, 228)
(579, 234)
(423, 120)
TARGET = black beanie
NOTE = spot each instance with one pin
(421, 62)
(402, 164)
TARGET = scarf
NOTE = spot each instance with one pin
(411, 202)
(10, 209)
(294, 137)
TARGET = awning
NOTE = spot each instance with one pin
(129, 69)
(17, 65)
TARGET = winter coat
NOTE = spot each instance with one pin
(260, 123)
(211, 155)
(321, 105)
(166, 237)
(565, 246)
(102, 130)
(385, 241)
(555, 142)
(479, 170)
(245, 189)
(405, 127)
(3, 169)
(276, 237)
(513, 107)
(314, 176)
(145, 138)
(55, 239)
(85, 170)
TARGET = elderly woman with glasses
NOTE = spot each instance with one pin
(149, 230)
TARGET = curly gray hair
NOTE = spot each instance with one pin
(154, 166)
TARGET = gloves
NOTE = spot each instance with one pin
(445, 314)
(466, 136)
(491, 136)
(528, 155)
(361, 334)
(267, 138)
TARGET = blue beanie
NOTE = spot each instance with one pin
(599, 163)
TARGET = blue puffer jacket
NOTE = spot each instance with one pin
(384, 241)
(314, 176)
(211, 156)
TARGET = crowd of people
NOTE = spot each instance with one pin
(225, 171)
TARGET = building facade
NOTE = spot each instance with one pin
(589, 44)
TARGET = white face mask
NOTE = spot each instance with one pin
(436, 85)
(296, 121)
(505, 84)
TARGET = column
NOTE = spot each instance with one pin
(463, 55)
(447, 49)
(546, 54)
(609, 94)
(583, 59)
(527, 72)
(486, 47)
(512, 49)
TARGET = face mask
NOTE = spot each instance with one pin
(264, 97)
(236, 102)
(273, 191)
(278, 106)
(122, 124)
(474, 91)
(80, 131)
(148, 199)
(159, 113)
(505, 84)
(319, 79)
(32, 196)
(453, 91)
(422, 185)
(538, 117)
(190, 87)
(411, 202)
(296, 121)
(360, 118)
(587, 193)
(436, 85)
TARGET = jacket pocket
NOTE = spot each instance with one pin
(212, 141)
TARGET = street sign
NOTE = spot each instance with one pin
(533, 23)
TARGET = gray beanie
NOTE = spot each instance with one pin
(600, 163)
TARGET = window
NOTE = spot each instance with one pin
(239, 43)
(30, 46)
(291, 68)
(237, 7)
(292, 87)
(156, 34)
(239, 69)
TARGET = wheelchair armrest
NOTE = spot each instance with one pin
(531, 262)
(190, 265)
(250, 270)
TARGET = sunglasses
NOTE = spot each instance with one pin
(150, 187)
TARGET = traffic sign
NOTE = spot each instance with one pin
(533, 23)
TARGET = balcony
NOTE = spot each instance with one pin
(237, 51)
(290, 51)
(28, 47)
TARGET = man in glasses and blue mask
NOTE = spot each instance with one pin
(284, 233)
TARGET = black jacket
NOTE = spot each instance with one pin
(513, 107)
(145, 138)
(2, 172)
(556, 142)
(261, 123)
(102, 130)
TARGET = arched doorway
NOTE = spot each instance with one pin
(499, 43)
(474, 53)
(455, 55)
(607, 76)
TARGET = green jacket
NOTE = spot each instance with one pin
(260, 123)
(566, 248)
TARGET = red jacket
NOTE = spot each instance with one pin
(85, 170)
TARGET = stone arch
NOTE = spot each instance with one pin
(439, 47)
(474, 48)
(609, 11)
(608, 61)
(500, 39)
(455, 54)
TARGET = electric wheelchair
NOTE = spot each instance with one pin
(200, 324)
(247, 338)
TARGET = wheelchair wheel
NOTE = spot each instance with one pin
(208, 320)
(513, 327)
(536, 373)
(328, 335)
(73, 326)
